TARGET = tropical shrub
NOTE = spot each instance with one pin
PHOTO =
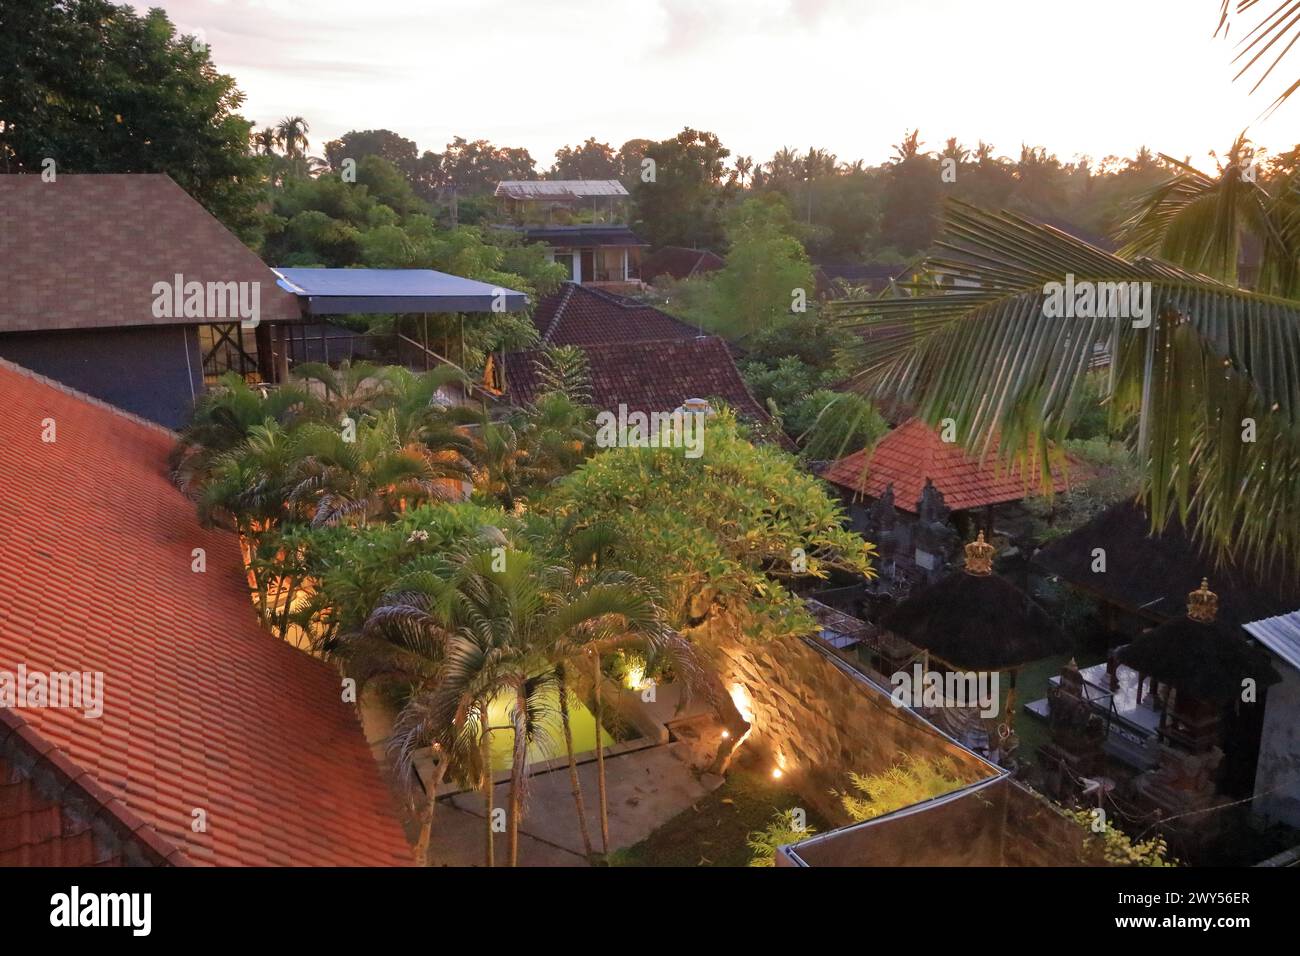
(784, 829)
(731, 530)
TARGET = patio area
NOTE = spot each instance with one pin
(646, 788)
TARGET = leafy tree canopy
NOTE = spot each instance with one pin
(729, 531)
(100, 89)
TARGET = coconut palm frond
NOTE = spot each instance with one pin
(1202, 222)
(1274, 35)
(1211, 359)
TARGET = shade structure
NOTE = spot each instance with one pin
(399, 291)
(1208, 660)
(977, 622)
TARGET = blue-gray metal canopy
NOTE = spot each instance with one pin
(341, 291)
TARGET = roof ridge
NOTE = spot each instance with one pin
(621, 301)
(85, 397)
(23, 736)
(559, 311)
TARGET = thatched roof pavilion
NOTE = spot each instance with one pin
(1199, 653)
(977, 620)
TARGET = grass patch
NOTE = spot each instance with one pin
(713, 831)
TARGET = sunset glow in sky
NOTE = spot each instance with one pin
(1095, 78)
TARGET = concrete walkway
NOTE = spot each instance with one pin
(646, 788)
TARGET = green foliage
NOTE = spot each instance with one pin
(1110, 474)
(1204, 223)
(755, 291)
(912, 197)
(355, 569)
(911, 780)
(716, 533)
(1117, 848)
(590, 160)
(100, 89)
(683, 205)
(833, 424)
(784, 830)
(785, 384)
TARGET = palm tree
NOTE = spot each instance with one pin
(744, 167)
(265, 141)
(424, 416)
(347, 391)
(909, 148)
(1212, 358)
(1201, 222)
(504, 621)
(291, 133)
(222, 419)
(354, 479)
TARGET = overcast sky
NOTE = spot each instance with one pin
(1098, 77)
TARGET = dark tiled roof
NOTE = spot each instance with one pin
(84, 252)
(584, 235)
(648, 376)
(202, 709)
(1151, 575)
(679, 262)
(914, 451)
(580, 315)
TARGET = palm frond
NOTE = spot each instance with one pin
(1213, 356)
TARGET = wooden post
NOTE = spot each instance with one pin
(265, 358)
(281, 353)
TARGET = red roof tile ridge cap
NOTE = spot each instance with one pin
(559, 313)
(23, 735)
(82, 396)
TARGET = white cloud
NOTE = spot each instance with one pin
(843, 75)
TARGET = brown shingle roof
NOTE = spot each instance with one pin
(678, 262)
(84, 252)
(579, 315)
(202, 709)
(914, 451)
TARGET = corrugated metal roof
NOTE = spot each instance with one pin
(559, 188)
(1280, 634)
(342, 291)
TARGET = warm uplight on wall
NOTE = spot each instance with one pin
(777, 773)
(744, 706)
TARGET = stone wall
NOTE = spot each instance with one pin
(817, 719)
(1000, 823)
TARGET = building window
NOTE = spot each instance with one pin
(565, 259)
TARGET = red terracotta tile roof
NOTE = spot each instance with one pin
(84, 252)
(914, 451)
(202, 709)
(579, 315)
(648, 376)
